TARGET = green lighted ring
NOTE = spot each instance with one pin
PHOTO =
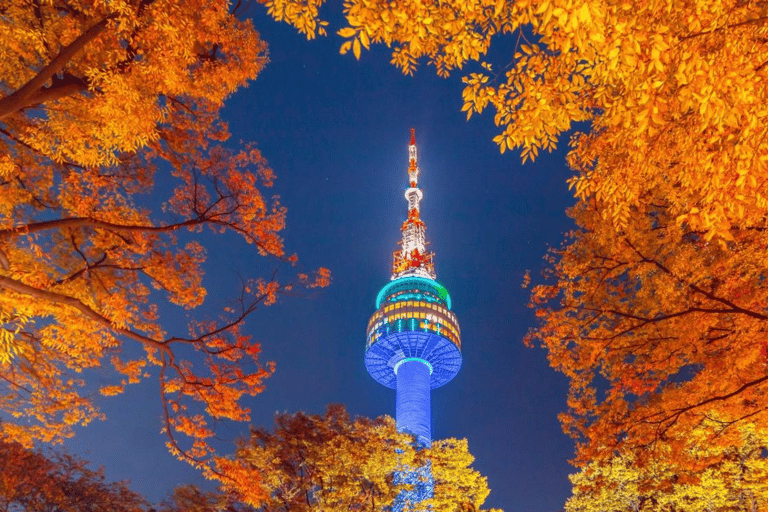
(409, 359)
(442, 292)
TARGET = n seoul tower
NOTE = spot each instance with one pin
(413, 343)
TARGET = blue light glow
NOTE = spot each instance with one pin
(421, 485)
(442, 354)
(407, 359)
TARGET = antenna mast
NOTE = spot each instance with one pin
(413, 259)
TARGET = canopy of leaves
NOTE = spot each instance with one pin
(32, 482)
(95, 97)
(736, 483)
(85, 81)
(660, 332)
(332, 462)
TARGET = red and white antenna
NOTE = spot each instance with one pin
(413, 259)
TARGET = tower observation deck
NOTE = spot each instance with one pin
(413, 341)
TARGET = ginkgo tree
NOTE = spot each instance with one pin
(96, 99)
(735, 482)
(334, 462)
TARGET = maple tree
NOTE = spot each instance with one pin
(96, 97)
(660, 332)
(332, 462)
(735, 483)
(33, 482)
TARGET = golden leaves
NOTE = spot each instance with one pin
(333, 462)
(417, 30)
(82, 267)
(624, 484)
(110, 93)
(301, 14)
(31, 479)
(667, 323)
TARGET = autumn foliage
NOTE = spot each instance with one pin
(34, 481)
(736, 483)
(673, 92)
(99, 99)
(334, 462)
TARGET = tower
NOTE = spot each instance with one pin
(413, 343)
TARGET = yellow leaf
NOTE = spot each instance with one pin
(356, 48)
(584, 15)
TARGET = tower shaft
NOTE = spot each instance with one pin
(413, 403)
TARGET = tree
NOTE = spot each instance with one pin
(735, 483)
(189, 498)
(33, 482)
(332, 462)
(660, 333)
(96, 97)
(85, 82)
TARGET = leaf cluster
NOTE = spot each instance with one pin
(333, 462)
(736, 483)
(674, 92)
(97, 98)
(34, 482)
(660, 332)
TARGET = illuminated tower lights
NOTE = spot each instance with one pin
(413, 340)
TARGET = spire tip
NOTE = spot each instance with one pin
(413, 136)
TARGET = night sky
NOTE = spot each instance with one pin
(336, 132)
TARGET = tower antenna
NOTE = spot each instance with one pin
(413, 259)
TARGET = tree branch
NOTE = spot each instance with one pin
(21, 98)
(57, 298)
(696, 288)
(77, 222)
(59, 89)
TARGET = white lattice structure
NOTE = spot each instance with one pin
(413, 259)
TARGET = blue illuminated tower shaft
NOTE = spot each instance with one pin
(413, 346)
(413, 400)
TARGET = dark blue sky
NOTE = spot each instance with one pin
(336, 133)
